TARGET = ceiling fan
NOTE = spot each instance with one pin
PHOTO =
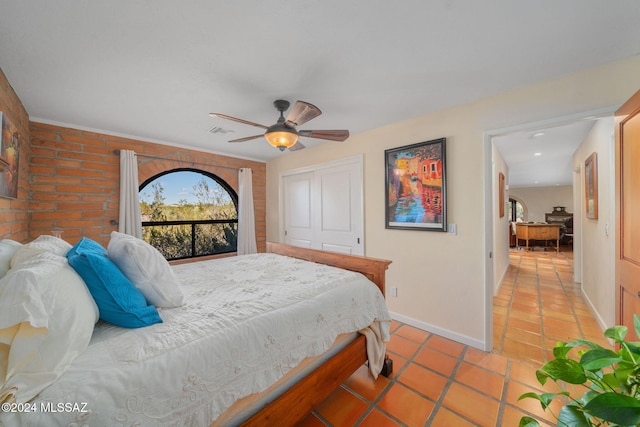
(283, 133)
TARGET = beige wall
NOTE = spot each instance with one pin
(597, 235)
(541, 200)
(501, 225)
(441, 277)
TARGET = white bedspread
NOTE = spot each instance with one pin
(247, 320)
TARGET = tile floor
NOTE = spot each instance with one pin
(439, 382)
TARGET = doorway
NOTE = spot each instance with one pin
(528, 135)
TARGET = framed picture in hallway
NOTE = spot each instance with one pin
(415, 192)
(591, 185)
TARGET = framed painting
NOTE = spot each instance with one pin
(591, 185)
(9, 156)
(501, 195)
(415, 188)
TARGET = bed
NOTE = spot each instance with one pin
(184, 379)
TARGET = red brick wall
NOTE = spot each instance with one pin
(13, 212)
(75, 177)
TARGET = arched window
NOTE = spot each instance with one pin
(189, 213)
(516, 210)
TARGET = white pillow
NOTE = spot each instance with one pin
(146, 268)
(8, 249)
(47, 321)
(43, 243)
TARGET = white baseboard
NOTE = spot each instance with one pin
(455, 336)
(497, 287)
(599, 319)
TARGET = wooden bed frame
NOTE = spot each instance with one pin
(298, 401)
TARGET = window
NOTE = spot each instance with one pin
(516, 210)
(189, 213)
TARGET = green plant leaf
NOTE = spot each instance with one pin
(611, 380)
(566, 370)
(542, 377)
(561, 349)
(528, 422)
(572, 416)
(585, 343)
(594, 360)
(616, 408)
(544, 398)
(616, 333)
(636, 324)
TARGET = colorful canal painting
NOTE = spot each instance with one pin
(415, 186)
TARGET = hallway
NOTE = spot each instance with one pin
(538, 305)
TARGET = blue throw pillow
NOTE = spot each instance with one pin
(118, 300)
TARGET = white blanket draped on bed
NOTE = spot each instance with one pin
(247, 321)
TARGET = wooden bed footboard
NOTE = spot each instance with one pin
(374, 269)
(297, 402)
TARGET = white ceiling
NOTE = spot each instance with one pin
(543, 157)
(154, 69)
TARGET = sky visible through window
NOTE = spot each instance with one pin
(178, 186)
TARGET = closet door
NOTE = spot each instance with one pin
(340, 206)
(299, 215)
(322, 207)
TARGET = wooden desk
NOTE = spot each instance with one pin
(542, 232)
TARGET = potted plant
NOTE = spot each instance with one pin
(611, 381)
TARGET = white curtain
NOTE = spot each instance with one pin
(129, 221)
(246, 221)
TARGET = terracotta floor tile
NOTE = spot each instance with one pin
(481, 380)
(402, 346)
(438, 382)
(527, 307)
(394, 325)
(424, 381)
(447, 346)
(377, 419)
(529, 317)
(532, 338)
(501, 310)
(529, 405)
(436, 361)
(562, 315)
(364, 384)
(412, 334)
(524, 325)
(526, 374)
(406, 406)
(471, 405)
(342, 408)
(446, 418)
(511, 417)
(525, 350)
(490, 361)
(311, 421)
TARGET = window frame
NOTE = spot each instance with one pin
(193, 223)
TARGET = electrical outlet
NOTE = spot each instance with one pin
(394, 291)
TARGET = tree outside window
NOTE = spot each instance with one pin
(188, 213)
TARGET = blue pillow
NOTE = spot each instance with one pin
(118, 300)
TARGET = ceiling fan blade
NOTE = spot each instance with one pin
(247, 138)
(332, 135)
(301, 113)
(298, 146)
(235, 119)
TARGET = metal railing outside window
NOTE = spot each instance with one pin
(191, 238)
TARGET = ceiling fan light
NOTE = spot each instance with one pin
(281, 136)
